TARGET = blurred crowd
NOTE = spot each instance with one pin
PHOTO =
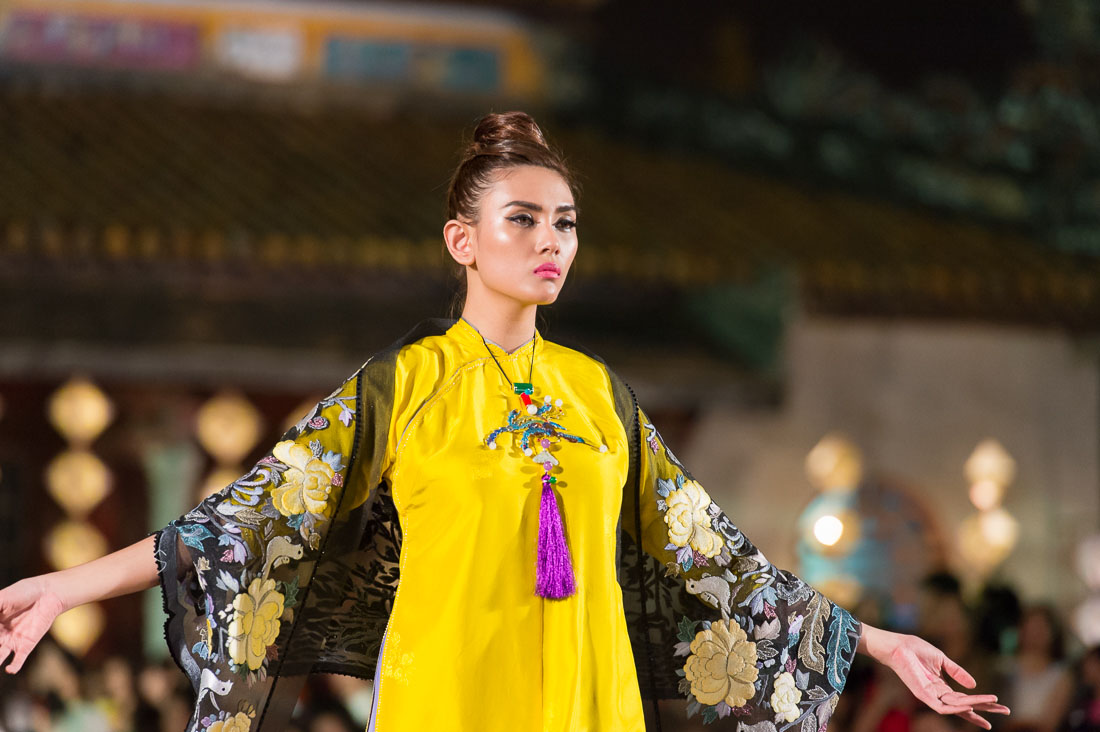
(56, 692)
(1020, 652)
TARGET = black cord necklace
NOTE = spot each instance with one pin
(523, 388)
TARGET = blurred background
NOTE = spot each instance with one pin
(847, 253)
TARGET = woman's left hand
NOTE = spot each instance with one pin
(921, 666)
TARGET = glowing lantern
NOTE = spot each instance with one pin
(228, 427)
(78, 481)
(70, 543)
(834, 464)
(986, 494)
(828, 530)
(78, 629)
(80, 411)
(830, 524)
(990, 462)
(987, 538)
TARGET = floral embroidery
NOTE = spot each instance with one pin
(785, 697)
(255, 623)
(306, 484)
(239, 722)
(722, 665)
(688, 520)
(790, 674)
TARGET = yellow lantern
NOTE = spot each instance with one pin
(228, 427)
(80, 411)
(78, 629)
(987, 538)
(990, 462)
(70, 543)
(78, 481)
(834, 464)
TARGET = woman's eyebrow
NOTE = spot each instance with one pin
(536, 207)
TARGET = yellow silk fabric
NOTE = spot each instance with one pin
(469, 644)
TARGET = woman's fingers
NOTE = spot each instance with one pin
(17, 663)
(976, 719)
(959, 673)
(944, 705)
(970, 700)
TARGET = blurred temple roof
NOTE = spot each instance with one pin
(107, 186)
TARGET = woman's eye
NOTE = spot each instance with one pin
(522, 219)
(567, 224)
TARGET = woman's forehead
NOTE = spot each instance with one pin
(530, 183)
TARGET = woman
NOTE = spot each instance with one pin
(1038, 680)
(511, 484)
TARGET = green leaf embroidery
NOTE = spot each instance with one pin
(840, 648)
(687, 630)
(290, 593)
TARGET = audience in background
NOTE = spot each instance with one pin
(1038, 686)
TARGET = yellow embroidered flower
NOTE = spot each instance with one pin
(688, 520)
(786, 696)
(306, 485)
(255, 623)
(239, 722)
(722, 665)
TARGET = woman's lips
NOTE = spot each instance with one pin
(549, 271)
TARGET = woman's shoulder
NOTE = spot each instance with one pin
(579, 358)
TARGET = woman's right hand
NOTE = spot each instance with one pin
(27, 610)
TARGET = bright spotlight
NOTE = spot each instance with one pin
(828, 530)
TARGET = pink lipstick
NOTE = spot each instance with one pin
(548, 270)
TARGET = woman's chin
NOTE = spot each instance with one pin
(551, 289)
(544, 295)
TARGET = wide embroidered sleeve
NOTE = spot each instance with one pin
(766, 650)
(236, 570)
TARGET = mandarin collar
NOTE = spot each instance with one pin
(464, 332)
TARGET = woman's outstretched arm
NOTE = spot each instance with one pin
(921, 667)
(29, 607)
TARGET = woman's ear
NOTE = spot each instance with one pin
(458, 237)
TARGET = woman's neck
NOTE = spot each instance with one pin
(509, 328)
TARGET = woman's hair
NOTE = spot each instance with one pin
(1056, 647)
(501, 141)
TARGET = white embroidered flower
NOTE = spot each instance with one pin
(688, 520)
(785, 697)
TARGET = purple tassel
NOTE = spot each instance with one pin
(554, 568)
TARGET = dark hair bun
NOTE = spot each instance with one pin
(505, 131)
(502, 140)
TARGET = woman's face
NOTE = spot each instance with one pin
(524, 242)
(1036, 635)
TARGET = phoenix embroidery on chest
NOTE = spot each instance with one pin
(540, 423)
(536, 429)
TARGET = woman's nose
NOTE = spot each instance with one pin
(548, 240)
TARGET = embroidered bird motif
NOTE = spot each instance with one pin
(715, 591)
(210, 685)
(280, 551)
